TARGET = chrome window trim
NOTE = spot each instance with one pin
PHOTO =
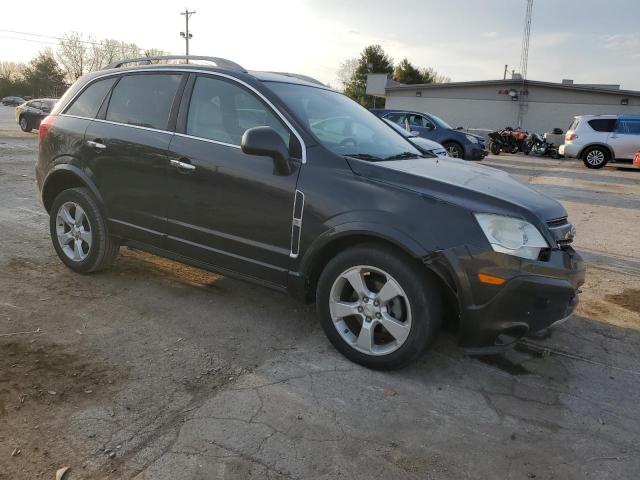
(182, 71)
(233, 145)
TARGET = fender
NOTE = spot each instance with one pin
(66, 168)
(369, 229)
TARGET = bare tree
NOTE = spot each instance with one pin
(11, 71)
(346, 71)
(74, 55)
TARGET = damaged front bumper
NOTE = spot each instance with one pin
(535, 295)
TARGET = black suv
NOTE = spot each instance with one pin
(274, 178)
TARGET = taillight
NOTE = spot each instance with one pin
(636, 160)
(570, 136)
(45, 125)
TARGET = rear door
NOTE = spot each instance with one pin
(227, 208)
(625, 139)
(127, 147)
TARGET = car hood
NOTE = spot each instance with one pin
(475, 187)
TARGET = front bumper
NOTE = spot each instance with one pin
(535, 295)
(477, 152)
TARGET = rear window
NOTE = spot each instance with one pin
(603, 124)
(143, 100)
(574, 124)
(89, 101)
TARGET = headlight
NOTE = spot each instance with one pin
(472, 138)
(511, 235)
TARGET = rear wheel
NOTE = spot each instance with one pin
(595, 157)
(454, 149)
(377, 307)
(494, 148)
(25, 126)
(79, 232)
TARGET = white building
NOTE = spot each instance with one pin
(495, 104)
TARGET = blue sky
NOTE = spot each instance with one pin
(588, 41)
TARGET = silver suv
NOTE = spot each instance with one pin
(598, 139)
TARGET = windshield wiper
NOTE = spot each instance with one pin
(362, 156)
(402, 155)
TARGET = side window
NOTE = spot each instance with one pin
(143, 100)
(603, 124)
(222, 111)
(396, 117)
(630, 126)
(89, 101)
(37, 105)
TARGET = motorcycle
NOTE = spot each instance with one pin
(506, 140)
(496, 143)
(539, 146)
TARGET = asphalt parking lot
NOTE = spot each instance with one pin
(156, 370)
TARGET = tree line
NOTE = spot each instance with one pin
(352, 73)
(51, 72)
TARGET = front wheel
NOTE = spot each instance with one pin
(494, 148)
(454, 149)
(24, 124)
(79, 232)
(378, 307)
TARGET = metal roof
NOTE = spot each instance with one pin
(510, 82)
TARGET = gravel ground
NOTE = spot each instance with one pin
(155, 370)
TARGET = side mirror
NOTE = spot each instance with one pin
(265, 141)
(414, 133)
(430, 126)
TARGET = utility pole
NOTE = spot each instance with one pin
(186, 35)
(506, 67)
(524, 61)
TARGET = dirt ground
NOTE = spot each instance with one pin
(156, 370)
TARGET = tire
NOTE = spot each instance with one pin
(595, 157)
(25, 126)
(494, 148)
(85, 224)
(454, 149)
(417, 305)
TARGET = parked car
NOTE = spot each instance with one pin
(279, 180)
(12, 101)
(30, 114)
(425, 145)
(457, 143)
(599, 139)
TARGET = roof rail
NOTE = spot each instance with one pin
(306, 78)
(220, 62)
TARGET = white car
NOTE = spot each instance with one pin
(599, 139)
(421, 143)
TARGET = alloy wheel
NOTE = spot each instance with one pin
(370, 310)
(452, 150)
(595, 157)
(73, 231)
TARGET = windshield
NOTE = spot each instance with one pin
(441, 123)
(342, 125)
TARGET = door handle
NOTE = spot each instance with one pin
(182, 165)
(96, 145)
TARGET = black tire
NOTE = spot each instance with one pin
(103, 249)
(494, 148)
(25, 125)
(595, 157)
(454, 149)
(421, 289)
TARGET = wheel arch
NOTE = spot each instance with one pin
(65, 176)
(612, 154)
(325, 247)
